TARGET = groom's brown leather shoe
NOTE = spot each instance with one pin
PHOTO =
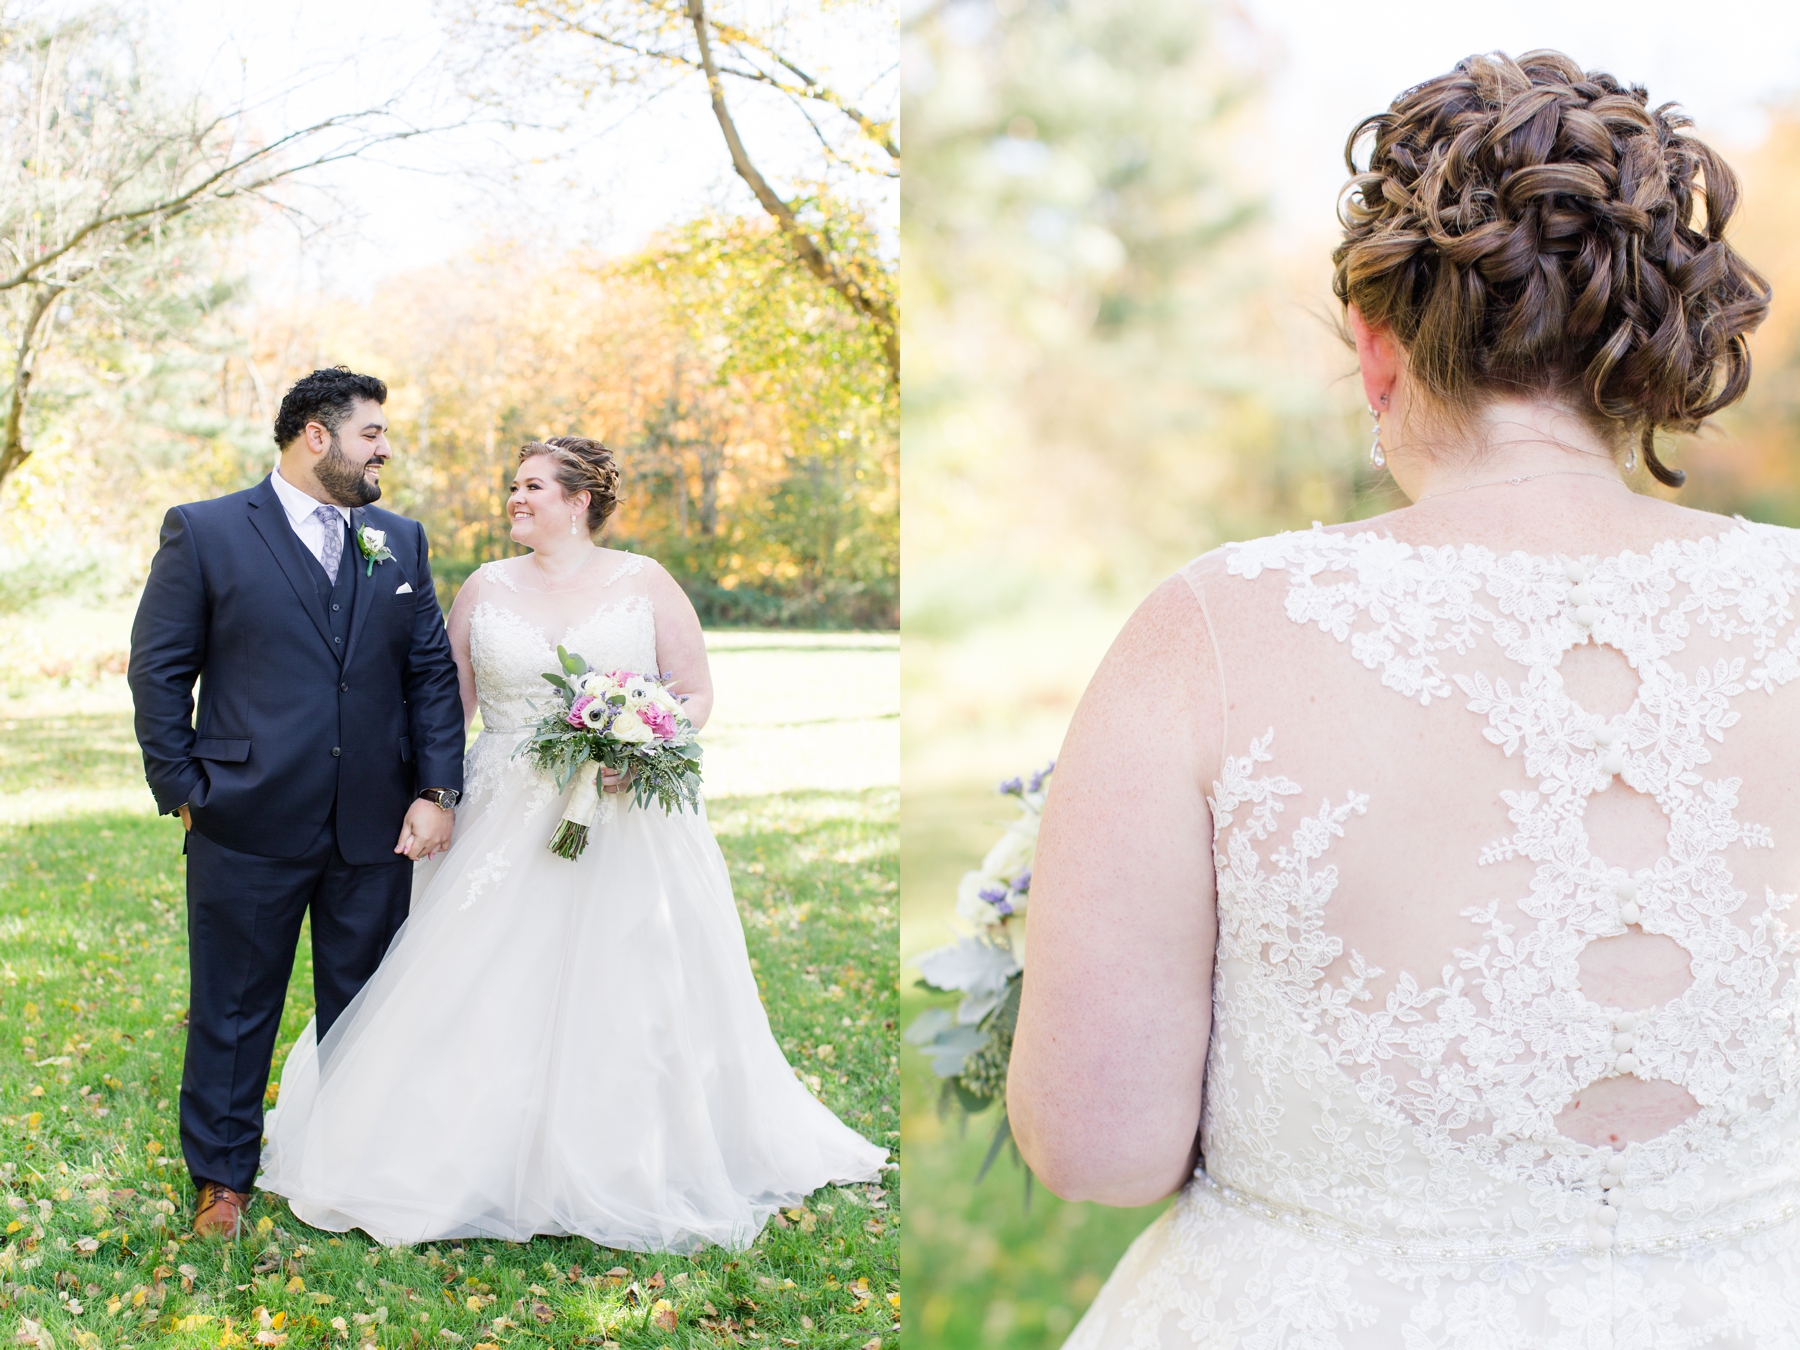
(219, 1211)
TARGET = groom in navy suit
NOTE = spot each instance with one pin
(325, 759)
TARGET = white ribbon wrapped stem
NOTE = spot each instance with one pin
(584, 801)
(586, 808)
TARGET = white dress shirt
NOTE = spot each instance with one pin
(300, 508)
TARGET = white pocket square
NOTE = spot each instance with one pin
(405, 588)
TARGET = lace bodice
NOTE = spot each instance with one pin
(1506, 958)
(514, 631)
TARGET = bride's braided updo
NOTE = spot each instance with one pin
(581, 466)
(1527, 227)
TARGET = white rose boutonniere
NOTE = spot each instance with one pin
(372, 544)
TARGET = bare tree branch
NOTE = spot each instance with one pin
(182, 201)
(12, 439)
(879, 132)
(882, 133)
(876, 308)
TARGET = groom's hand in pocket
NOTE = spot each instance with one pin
(426, 830)
(187, 817)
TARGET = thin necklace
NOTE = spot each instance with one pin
(551, 584)
(1525, 478)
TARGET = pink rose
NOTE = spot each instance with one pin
(574, 718)
(659, 720)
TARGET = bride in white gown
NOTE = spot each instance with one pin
(1441, 946)
(557, 1047)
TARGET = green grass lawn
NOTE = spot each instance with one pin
(93, 988)
(982, 1269)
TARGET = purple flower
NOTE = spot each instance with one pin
(994, 895)
(1022, 882)
(1037, 779)
(1012, 787)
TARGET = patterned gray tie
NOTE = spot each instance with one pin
(334, 540)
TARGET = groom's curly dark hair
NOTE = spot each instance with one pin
(327, 397)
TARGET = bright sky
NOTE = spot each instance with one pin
(1335, 62)
(610, 182)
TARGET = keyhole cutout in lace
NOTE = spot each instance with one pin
(1613, 1112)
(1599, 678)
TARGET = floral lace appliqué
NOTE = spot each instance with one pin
(1382, 1163)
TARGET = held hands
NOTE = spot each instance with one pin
(426, 830)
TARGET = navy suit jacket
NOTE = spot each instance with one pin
(287, 733)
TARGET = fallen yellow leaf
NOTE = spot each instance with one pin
(296, 1285)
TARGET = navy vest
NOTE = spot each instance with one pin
(337, 601)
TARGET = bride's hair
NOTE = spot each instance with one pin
(581, 466)
(1524, 226)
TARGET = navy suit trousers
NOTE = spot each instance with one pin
(244, 915)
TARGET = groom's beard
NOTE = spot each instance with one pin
(344, 480)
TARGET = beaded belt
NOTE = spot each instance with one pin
(1483, 1246)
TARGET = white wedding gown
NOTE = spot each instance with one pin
(550, 1046)
(1504, 1050)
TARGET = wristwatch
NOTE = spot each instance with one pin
(445, 799)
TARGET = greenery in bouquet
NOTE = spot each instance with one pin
(617, 720)
(969, 1047)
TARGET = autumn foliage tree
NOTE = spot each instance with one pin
(749, 407)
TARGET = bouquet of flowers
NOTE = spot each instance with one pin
(969, 1048)
(618, 720)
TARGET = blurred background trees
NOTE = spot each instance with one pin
(749, 389)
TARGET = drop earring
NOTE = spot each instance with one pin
(1376, 456)
(1631, 459)
(572, 520)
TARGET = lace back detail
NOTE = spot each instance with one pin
(1505, 1049)
(1343, 1048)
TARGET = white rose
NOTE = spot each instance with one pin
(1013, 854)
(375, 539)
(629, 728)
(599, 684)
(662, 698)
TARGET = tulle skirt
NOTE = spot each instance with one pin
(556, 1047)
